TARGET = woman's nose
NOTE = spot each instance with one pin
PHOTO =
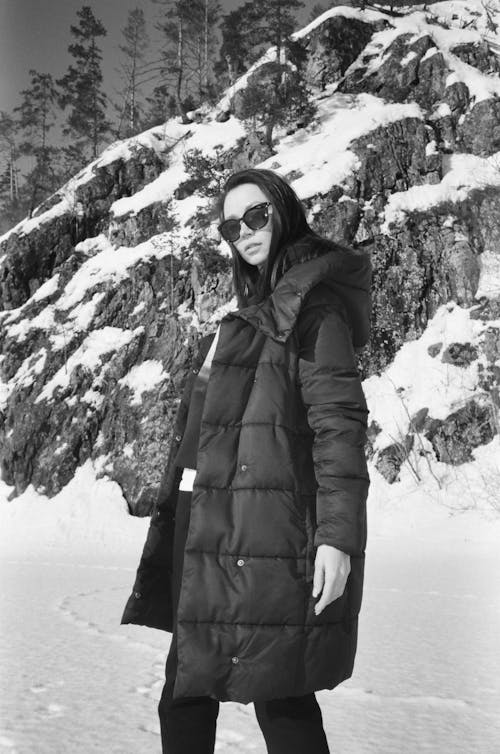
(245, 230)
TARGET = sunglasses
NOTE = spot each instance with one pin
(254, 218)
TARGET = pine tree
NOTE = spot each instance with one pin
(250, 29)
(72, 158)
(35, 120)
(160, 106)
(81, 88)
(244, 38)
(5, 179)
(12, 200)
(134, 72)
(280, 21)
(173, 26)
(201, 44)
(276, 94)
(10, 152)
(231, 53)
(186, 62)
(264, 102)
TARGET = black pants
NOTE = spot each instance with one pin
(290, 726)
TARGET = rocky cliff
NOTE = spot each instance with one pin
(106, 289)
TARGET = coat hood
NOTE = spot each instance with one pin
(314, 260)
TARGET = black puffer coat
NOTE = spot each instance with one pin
(281, 469)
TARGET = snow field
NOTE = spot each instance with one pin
(427, 675)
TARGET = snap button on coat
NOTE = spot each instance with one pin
(235, 660)
(240, 562)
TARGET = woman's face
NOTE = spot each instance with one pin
(252, 245)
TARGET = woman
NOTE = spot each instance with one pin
(262, 585)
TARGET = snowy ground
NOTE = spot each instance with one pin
(427, 677)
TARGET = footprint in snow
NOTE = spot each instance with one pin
(149, 729)
(38, 688)
(51, 710)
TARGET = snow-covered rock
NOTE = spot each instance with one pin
(107, 288)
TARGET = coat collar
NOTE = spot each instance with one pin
(346, 272)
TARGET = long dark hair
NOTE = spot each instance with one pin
(289, 224)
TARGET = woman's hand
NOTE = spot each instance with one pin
(331, 569)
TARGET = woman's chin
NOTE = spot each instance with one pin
(257, 259)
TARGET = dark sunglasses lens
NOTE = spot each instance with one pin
(256, 217)
(230, 230)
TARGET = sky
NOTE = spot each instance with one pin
(36, 34)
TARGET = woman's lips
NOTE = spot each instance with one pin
(251, 248)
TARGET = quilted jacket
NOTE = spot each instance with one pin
(281, 469)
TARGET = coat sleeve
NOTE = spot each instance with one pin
(337, 414)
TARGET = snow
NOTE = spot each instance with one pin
(431, 148)
(345, 11)
(430, 53)
(107, 266)
(33, 365)
(408, 58)
(462, 174)
(124, 149)
(224, 103)
(460, 13)
(441, 111)
(47, 288)
(415, 379)
(329, 162)
(97, 344)
(120, 150)
(193, 318)
(184, 210)
(417, 24)
(222, 310)
(143, 377)
(203, 136)
(83, 313)
(427, 673)
(26, 226)
(326, 161)
(20, 330)
(489, 277)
